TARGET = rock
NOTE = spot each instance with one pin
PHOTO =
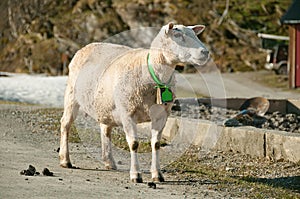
(232, 122)
(46, 172)
(275, 121)
(29, 172)
(152, 185)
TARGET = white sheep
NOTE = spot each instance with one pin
(113, 84)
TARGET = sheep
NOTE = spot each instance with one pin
(113, 84)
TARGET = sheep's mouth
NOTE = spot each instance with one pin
(201, 61)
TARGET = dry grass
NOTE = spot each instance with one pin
(237, 174)
(270, 79)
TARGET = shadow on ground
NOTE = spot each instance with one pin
(292, 183)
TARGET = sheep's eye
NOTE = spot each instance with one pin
(178, 34)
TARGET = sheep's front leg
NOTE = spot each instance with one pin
(129, 127)
(158, 117)
(106, 147)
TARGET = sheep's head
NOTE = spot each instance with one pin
(180, 43)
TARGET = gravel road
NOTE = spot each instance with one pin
(30, 136)
(25, 141)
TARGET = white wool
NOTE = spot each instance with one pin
(112, 84)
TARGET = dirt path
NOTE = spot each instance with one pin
(230, 85)
(21, 145)
(29, 136)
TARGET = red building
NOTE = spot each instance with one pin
(292, 18)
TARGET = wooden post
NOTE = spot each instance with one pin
(292, 58)
(297, 55)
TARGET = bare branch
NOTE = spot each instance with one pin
(224, 13)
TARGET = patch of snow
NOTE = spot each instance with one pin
(49, 90)
(34, 89)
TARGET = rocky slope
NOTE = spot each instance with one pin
(41, 36)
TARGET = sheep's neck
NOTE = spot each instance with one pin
(154, 76)
(162, 69)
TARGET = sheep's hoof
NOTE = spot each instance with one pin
(160, 178)
(110, 167)
(66, 165)
(138, 179)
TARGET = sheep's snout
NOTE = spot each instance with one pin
(205, 53)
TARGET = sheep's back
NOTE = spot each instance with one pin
(87, 67)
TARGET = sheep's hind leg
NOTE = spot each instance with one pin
(106, 147)
(70, 112)
(158, 117)
(68, 117)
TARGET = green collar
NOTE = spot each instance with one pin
(155, 78)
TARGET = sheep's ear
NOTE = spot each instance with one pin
(197, 28)
(169, 27)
